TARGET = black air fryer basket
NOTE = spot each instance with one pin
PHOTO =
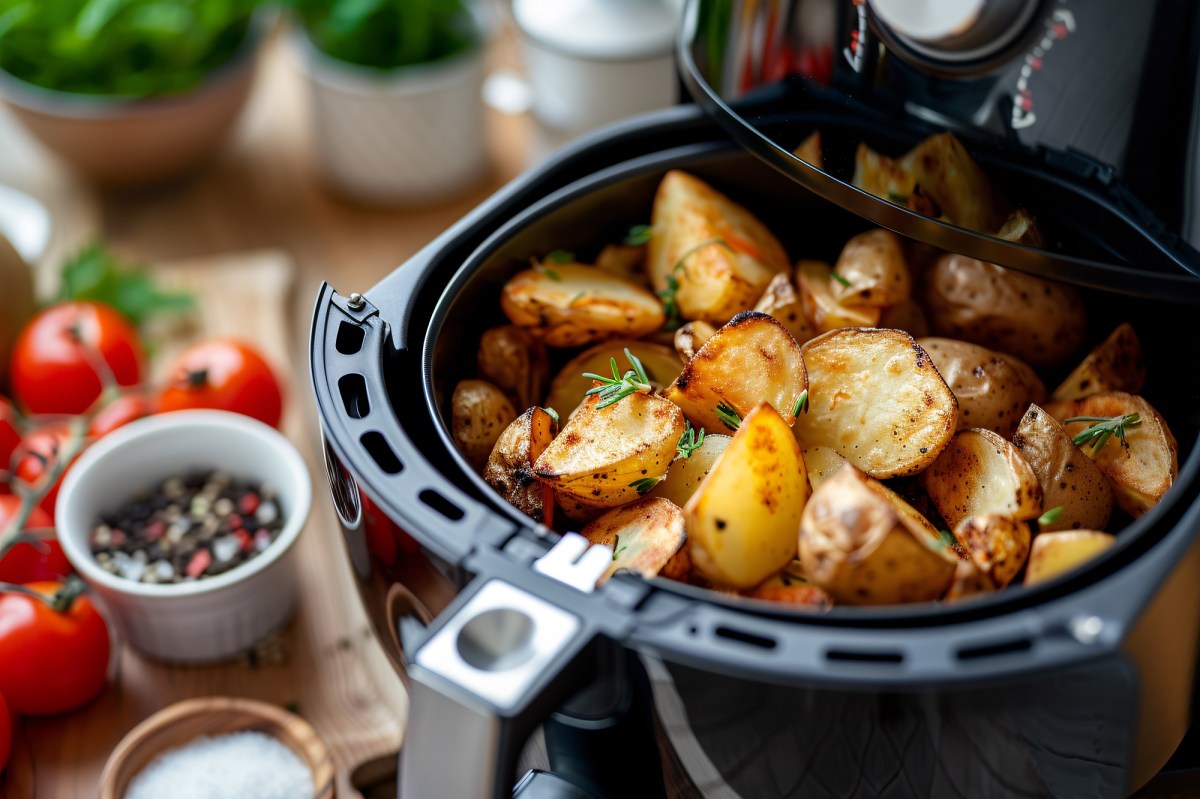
(1081, 686)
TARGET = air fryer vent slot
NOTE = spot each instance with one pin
(997, 648)
(381, 451)
(753, 639)
(354, 395)
(862, 656)
(349, 338)
(440, 504)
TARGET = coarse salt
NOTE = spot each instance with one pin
(246, 765)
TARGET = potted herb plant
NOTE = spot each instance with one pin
(395, 95)
(129, 91)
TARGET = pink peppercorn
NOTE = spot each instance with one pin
(248, 503)
(199, 562)
(247, 543)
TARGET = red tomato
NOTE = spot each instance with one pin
(120, 412)
(6, 730)
(29, 562)
(50, 661)
(59, 357)
(9, 439)
(225, 374)
(37, 456)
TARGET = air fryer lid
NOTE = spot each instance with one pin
(1101, 160)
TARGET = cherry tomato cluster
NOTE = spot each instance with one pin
(76, 374)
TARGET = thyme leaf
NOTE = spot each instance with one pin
(689, 442)
(801, 403)
(898, 198)
(617, 548)
(618, 387)
(1105, 428)
(840, 279)
(667, 295)
(728, 416)
(645, 484)
(638, 235)
(1050, 516)
(560, 257)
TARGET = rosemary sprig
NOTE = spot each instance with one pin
(560, 257)
(896, 197)
(840, 279)
(618, 387)
(689, 442)
(1050, 516)
(638, 235)
(617, 548)
(645, 484)
(728, 416)
(667, 295)
(801, 403)
(1105, 428)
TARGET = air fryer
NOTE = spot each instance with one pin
(1081, 686)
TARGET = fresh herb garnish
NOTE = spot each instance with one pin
(553, 414)
(728, 416)
(667, 295)
(1050, 516)
(617, 548)
(95, 274)
(560, 257)
(638, 235)
(548, 272)
(801, 403)
(689, 442)
(645, 484)
(1098, 434)
(618, 387)
(840, 279)
(946, 539)
(896, 197)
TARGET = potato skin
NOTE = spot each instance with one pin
(997, 544)
(907, 316)
(569, 386)
(990, 390)
(981, 473)
(821, 307)
(479, 413)
(948, 175)
(1114, 365)
(1040, 322)
(644, 535)
(515, 361)
(509, 469)
(782, 302)
(691, 337)
(1068, 478)
(686, 474)
(717, 280)
(1053, 554)
(874, 266)
(788, 590)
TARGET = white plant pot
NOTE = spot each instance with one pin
(406, 136)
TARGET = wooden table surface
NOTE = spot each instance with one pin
(261, 193)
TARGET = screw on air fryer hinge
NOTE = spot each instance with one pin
(356, 301)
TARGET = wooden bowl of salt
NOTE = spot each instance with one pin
(239, 736)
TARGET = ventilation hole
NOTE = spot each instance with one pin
(746, 638)
(354, 395)
(349, 338)
(440, 504)
(378, 448)
(1001, 648)
(848, 656)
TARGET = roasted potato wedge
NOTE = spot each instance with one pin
(809, 150)
(1021, 227)
(948, 176)
(822, 463)
(865, 546)
(1115, 365)
(624, 261)
(981, 473)
(752, 359)
(884, 177)
(1068, 478)
(907, 316)
(1139, 473)
(514, 360)
(997, 544)
(691, 337)
(479, 412)
(720, 255)
(686, 474)
(742, 519)
(782, 302)
(570, 305)
(989, 387)
(569, 386)
(644, 536)
(821, 308)
(876, 398)
(601, 454)
(789, 590)
(509, 469)
(969, 581)
(873, 271)
(1053, 554)
(1040, 322)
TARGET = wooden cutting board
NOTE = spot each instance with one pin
(326, 664)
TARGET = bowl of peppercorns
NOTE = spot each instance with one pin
(184, 524)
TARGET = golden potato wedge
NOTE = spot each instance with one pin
(820, 306)
(789, 590)
(1053, 554)
(720, 255)
(969, 582)
(572, 304)
(1040, 322)
(624, 261)
(865, 546)
(691, 337)
(602, 453)
(1115, 365)
(1068, 478)
(884, 177)
(782, 302)
(822, 463)
(479, 412)
(809, 150)
(948, 176)
(569, 386)
(752, 359)
(514, 360)
(686, 474)
(907, 316)
(679, 567)
(509, 469)
(742, 519)
(981, 473)
(876, 397)
(997, 544)
(1021, 227)
(1139, 473)
(873, 271)
(990, 389)
(643, 535)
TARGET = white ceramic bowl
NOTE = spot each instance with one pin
(216, 617)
